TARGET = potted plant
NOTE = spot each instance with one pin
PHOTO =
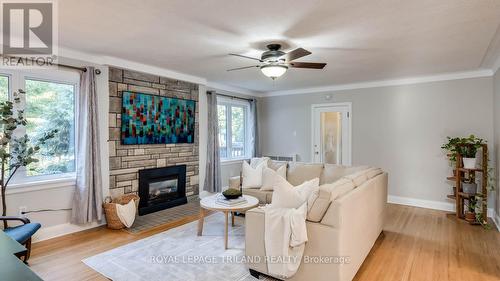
(470, 214)
(466, 147)
(15, 151)
(469, 186)
(452, 148)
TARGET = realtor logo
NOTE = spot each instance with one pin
(29, 32)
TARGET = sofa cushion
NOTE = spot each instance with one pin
(373, 172)
(263, 196)
(300, 172)
(358, 178)
(327, 194)
(333, 172)
(286, 195)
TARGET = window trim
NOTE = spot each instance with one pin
(17, 80)
(228, 103)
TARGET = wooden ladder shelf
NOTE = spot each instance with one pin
(481, 196)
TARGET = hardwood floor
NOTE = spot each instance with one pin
(417, 244)
(423, 244)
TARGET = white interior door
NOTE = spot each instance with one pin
(331, 133)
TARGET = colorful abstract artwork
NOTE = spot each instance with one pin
(149, 119)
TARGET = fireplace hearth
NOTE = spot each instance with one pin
(162, 188)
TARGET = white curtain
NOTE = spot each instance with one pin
(87, 201)
(212, 175)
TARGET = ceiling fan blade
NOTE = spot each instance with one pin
(240, 68)
(312, 65)
(295, 54)
(246, 57)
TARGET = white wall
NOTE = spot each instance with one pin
(59, 196)
(398, 128)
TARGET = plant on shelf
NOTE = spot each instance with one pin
(451, 147)
(466, 147)
(16, 150)
(470, 214)
(491, 183)
(469, 185)
(477, 203)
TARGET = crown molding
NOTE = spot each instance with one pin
(492, 53)
(223, 88)
(386, 83)
(127, 64)
(496, 66)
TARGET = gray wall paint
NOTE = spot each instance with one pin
(398, 128)
(496, 123)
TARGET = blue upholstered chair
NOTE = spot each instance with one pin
(22, 233)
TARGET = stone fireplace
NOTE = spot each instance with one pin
(125, 161)
(162, 188)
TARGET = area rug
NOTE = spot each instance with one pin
(179, 254)
(149, 221)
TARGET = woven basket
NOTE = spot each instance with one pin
(110, 210)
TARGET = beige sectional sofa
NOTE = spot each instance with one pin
(342, 224)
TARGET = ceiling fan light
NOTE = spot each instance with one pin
(273, 71)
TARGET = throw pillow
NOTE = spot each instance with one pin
(286, 195)
(255, 161)
(275, 165)
(268, 177)
(252, 177)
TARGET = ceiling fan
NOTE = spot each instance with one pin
(274, 63)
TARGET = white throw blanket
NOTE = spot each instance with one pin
(126, 213)
(285, 237)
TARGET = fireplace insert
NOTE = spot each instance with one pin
(161, 188)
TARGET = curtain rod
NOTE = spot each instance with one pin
(234, 97)
(83, 69)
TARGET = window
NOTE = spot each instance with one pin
(49, 104)
(233, 117)
(4, 88)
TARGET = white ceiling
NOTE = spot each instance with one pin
(361, 40)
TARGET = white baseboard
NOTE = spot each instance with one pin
(428, 204)
(61, 229)
(437, 205)
(496, 219)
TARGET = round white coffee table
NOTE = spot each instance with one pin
(210, 203)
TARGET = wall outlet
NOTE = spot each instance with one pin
(22, 210)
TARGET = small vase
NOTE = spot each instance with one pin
(469, 188)
(469, 163)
